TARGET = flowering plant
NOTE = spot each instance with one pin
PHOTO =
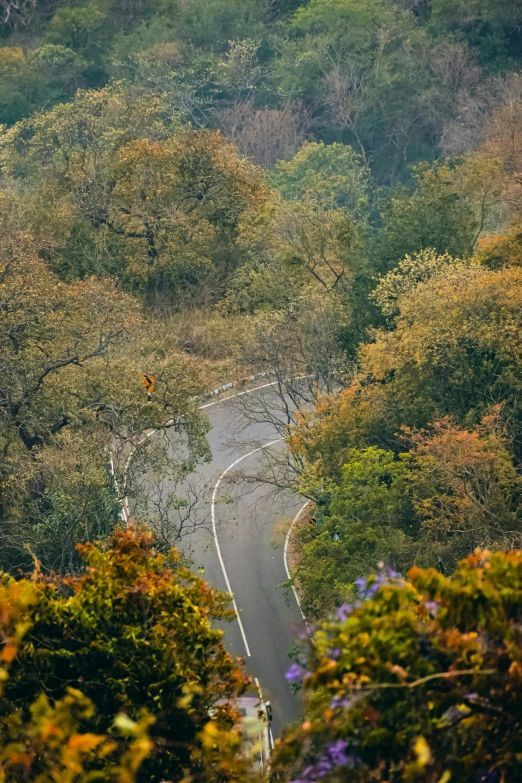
(419, 680)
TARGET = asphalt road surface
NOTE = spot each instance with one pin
(242, 553)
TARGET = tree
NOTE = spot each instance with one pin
(452, 350)
(312, 243)
(366, 518)
(70, 389)
(264, 135)
(447, 368)
(502, 141)
(332, 175)
(465, 488)
(17, 13)
(439, 214)
(49, 741)
(15, 80)
(135, 632)
(416, 681)
(365, 65)
(459, 345)
(492, 27)
(157, 202)
(410, 271)
(212, 26)
(81, 29)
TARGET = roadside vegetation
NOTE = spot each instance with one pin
(201, 190)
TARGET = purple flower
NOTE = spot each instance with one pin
(344, 612)
(335, 756)
(323, 767)
(432, 607)
(335, 653)
(340, 701)
(336, 751)
(471, 696)
(296, 672)
(361, 583)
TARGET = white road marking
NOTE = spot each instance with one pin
(125, 503)
(126, 515)
(287, 539)
(239, 394)
(216, 540)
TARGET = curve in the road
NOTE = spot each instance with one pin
(216, 539)
(267, 624)
(285, 557)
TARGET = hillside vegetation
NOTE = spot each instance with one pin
(200, 190)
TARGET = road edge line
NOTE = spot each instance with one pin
(216, 540)
(285, 557)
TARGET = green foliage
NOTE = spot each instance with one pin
(212, 25)
(490, 26)
(436, 216)
(332, 175)
(397, 306)
(134, 632)
(368, 520)
(429, 382)
(162, 212)
(80, 29)
(417, 683)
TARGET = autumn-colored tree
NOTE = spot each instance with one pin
(452, 350)
(51, 740)
(70, 390)
(465, 488)
(453, 343)
(417, 680)
(176, 203)
(134, 634)
(156, 204)
(443, 382)
(117, 675)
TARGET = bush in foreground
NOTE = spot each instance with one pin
(131, 636)
(420, 680)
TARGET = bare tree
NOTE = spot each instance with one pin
(302, 349)
(158, 488)
(467, 129)
(17, 13)
(265, 135)
(343, 96)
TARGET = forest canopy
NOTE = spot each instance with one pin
(194, 193)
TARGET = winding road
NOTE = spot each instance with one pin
(239, 547)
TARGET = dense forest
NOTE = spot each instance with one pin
(203, 190)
